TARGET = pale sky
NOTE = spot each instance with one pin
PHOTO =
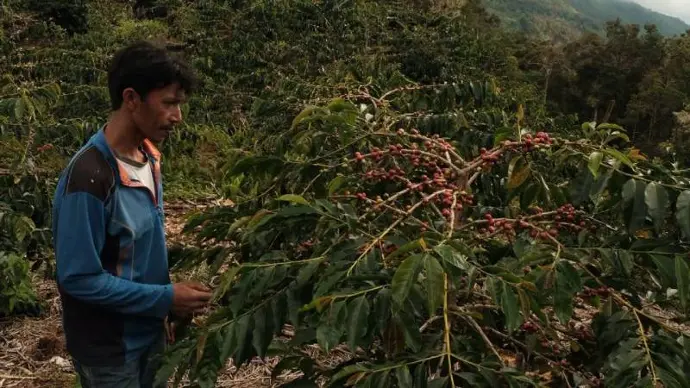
(677, 8)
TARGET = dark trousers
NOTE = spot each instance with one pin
(139, 373)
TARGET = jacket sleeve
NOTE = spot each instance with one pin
(80, 237)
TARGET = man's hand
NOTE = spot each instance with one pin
(189, 298)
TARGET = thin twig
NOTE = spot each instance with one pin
(646, 348)
(486, 339)
(452, 217)
(449, 350)
(15, 377)
(429, 322)
(389, 229)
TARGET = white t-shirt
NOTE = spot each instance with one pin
(139, 172)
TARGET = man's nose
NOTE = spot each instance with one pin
(176, 116)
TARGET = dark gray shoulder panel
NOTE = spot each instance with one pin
(90, 173)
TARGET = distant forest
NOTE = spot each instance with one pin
(565, 19)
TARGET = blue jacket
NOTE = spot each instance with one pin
(112, 264)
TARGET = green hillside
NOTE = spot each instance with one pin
(561, 19)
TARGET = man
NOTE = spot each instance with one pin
(109, 236)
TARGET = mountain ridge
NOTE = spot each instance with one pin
(563, 19)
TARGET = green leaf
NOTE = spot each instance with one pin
(683, 213)
(382, 380)
(404, 377)
(263, 330)
(327, 336)
(620, 157)
(358, 311)
(452, 257)
(23, 226)
(303, 115)
(518, 172)
(30, 107)
(407, 323)
(382, 308)
(634, 206)
(294, 306)
(656, 199)
(225, 282)
(598, 186)
(229, 342)
(405, 276)
(420, 376)
(509, 305)
(19, 109)
(606, 126)
(335, 184)
(349, 370)
(528, 195)
(595, 159)
(665, 266)
(280, 308)
(568, 282)
(241, 334)
(408, 247)
(298, 199)
(617, 135)
(502, 134)
(306, 273)
(625, 261)
(434, 283)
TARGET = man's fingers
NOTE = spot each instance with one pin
(199, 286)
(201, 296)
(172, 328)
(196, 304)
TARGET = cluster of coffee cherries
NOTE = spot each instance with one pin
(305, 245)
(601, 291)
(425, 170)
(386, 248)
(489, 158)
(582, 333)
(44, 148)
(389, 248)
(434, 143)
(381, 174)
(565, 218)
(529, 143)
(529, 327)
(505, 226)
(543, 234)
(510, 227)
(568, 218)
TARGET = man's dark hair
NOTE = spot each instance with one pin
(145, 66)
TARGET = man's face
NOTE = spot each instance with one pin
(159, 112)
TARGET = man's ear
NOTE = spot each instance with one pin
(130, 99)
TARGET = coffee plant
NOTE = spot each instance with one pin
(444, 242)
(25, 240)
(26, 193)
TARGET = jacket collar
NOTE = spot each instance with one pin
(99, 141)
